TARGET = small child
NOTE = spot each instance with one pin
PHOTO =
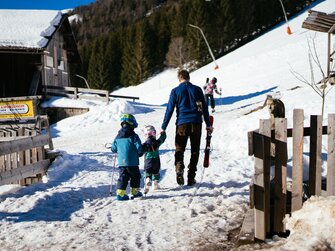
(152, 162)
(128, 147)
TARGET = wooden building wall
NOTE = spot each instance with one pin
(56, 69)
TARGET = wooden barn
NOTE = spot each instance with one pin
(36, 48)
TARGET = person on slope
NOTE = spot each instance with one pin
(128, 147)
(190, 104)
(209, 88)
(152, 163)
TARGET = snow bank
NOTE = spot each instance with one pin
(313, 226)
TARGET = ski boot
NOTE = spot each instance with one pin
(121, 195)
(156, 185)
(147, 185)
(135, 193)
(191, 182)
(180, 178)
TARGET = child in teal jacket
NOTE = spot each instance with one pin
(128, 147)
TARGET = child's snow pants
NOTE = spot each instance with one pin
(127, 173)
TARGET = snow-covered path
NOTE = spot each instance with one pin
(72, 210)
(75, 201)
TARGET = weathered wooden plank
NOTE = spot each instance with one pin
(40, 150)
(61, 94)
(297, 158)
(247, 232)
(322, 14)
(47, 128)
(2, 157)
(23, 144)
(250, 143)
(319, 21)
(94, 91)
(280, 174)
(307, 131)
(315, 27)
(20, 153)
(262, 181)
(20, 98)
(27, 153)
(16, 174)
(34, 150)
(8, 157)
(315, 159)
(331, 156)
(126, 97)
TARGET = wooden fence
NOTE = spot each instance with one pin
(82, 93)
(23, 157)
(271, 199)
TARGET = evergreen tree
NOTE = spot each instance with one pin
(160, 40)
(98, 70)
(154, 30)
(197, 17)
(128, 62)
(114, 53)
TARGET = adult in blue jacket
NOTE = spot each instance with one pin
(191, 107)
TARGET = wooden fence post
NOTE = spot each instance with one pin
(315, 159)
(280, 174)
(297, 168)
(331, 155)
(75, 93)
(262, 179)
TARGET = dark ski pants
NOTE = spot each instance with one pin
(127, 173)
(152, 167)
(183, 132)
(210, 98)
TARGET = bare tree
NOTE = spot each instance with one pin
(178, 54)
(319, 87)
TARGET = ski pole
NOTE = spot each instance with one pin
(220, 96)
(113, 171)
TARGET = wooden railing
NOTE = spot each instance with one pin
(23, 157)
(82, 93)
(269, 147)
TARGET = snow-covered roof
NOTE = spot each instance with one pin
(20, 29)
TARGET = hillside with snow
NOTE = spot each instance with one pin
(72, 209)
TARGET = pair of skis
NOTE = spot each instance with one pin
(208, 143)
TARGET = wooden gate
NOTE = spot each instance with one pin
(269, 197)
(23, 156)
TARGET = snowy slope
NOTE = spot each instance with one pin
(72, 209)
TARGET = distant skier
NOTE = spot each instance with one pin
(209, 88)
(128, 147)
(152, 162)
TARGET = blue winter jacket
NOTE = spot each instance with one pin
(185, 97)
(128, 147)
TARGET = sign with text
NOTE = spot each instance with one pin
(16, 109)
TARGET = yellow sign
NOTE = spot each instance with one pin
(19, 109)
